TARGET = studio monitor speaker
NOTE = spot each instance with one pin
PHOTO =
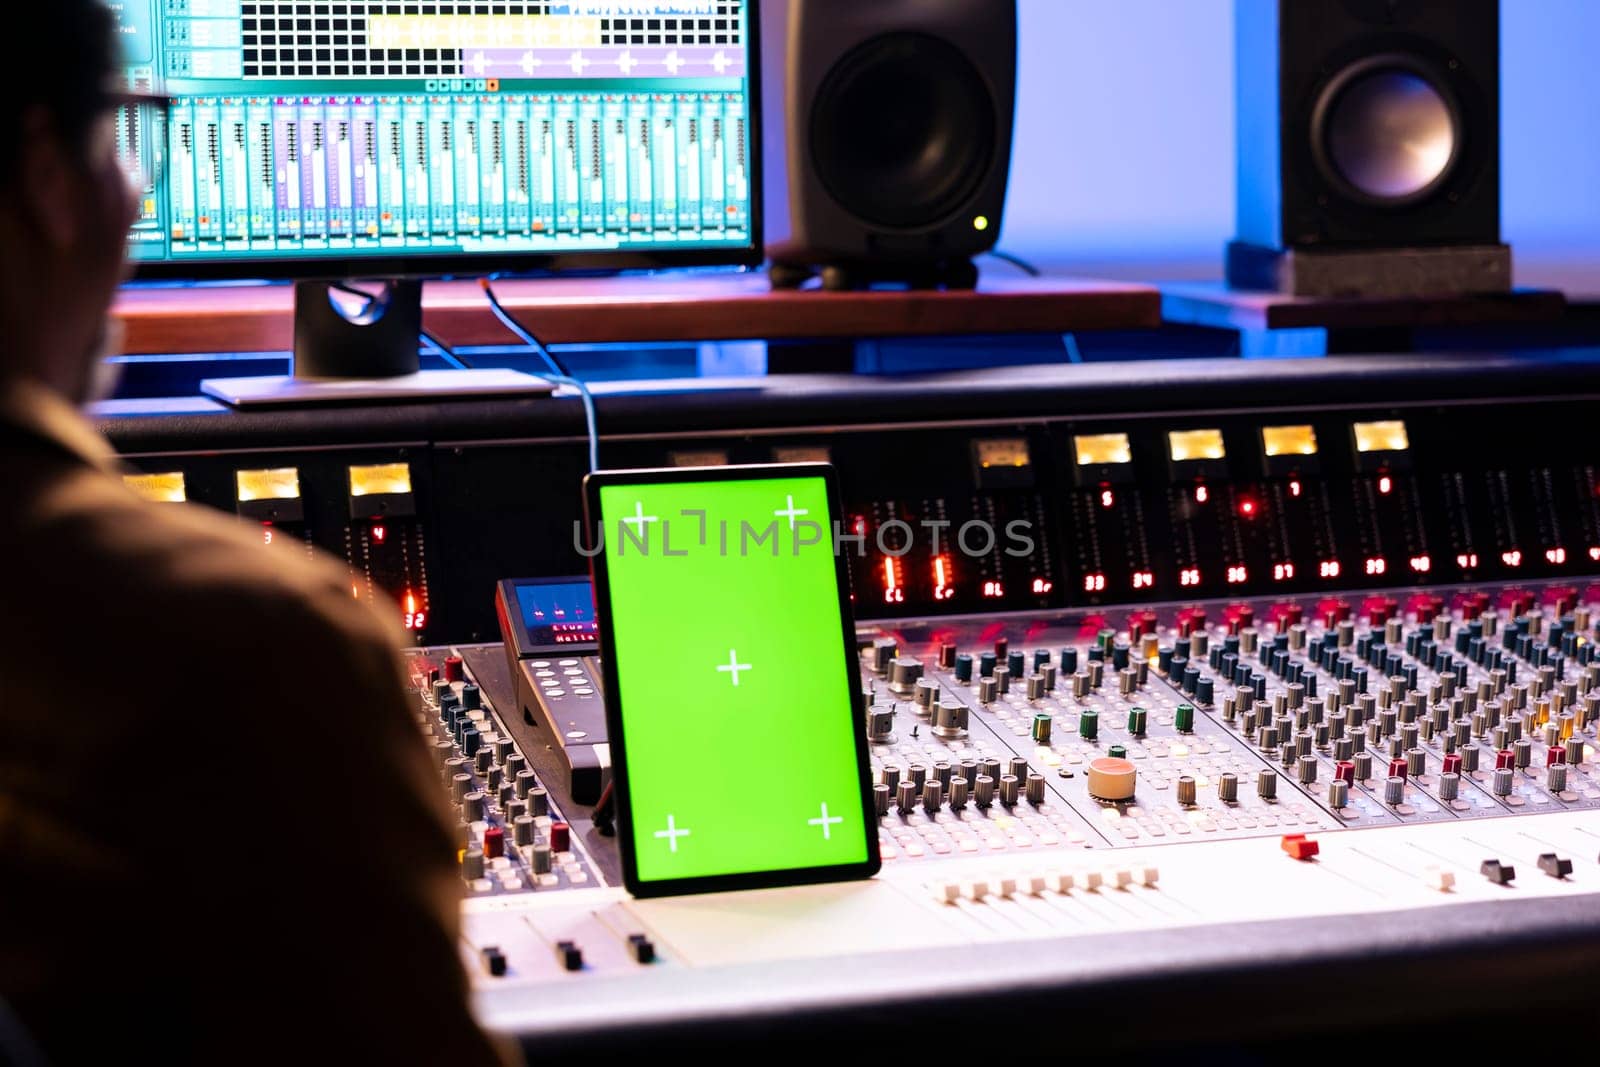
(1368, 147)
(888, 136)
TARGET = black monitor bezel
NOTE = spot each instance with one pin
(447, 266)
(613, 691)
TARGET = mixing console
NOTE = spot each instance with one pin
(1241, 695)
(1073, 774)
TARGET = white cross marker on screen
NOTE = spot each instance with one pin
(823, 822)
(627, 62)
(672, 833)
(578, 62)
(673, 62)
(721, 62)
(792, 513)
(733, 667)
(638, 519)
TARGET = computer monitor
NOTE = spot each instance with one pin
(334, 139)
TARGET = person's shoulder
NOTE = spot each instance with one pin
(183, 564)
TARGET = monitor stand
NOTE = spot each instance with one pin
(343, 357)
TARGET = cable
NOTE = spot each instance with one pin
(448, 354)
(1016, 261)
(558, 373)
(1070, 343)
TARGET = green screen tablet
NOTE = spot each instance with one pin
(732, 697)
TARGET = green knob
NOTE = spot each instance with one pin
(1041, 728)
(1117, 752)
(1104, 638)
(1136, 721)
(1184, 721)
(1089, 725)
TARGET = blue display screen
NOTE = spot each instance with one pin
(557, 613)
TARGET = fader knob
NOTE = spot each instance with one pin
(904, 672)
(1111, 778)
(1009, 792)
(472, 864)
(1033, 789)
(950, 719)
(1186, 790)
(1041, 728)
(1307, 769)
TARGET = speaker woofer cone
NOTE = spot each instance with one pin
(902, 131)
(1386, 131)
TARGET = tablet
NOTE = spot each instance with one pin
(731, 686)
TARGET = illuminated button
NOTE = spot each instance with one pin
(1111, 778)
(1386, 436)
(166, 488)
(1184, 445)
(1289, 440)
(281, 483)
(1103, 448)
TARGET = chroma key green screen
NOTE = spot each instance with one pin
(307, 129)
(738, 720)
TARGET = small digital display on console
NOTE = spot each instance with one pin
(557, 613)
(727, 642)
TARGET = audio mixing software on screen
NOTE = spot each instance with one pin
(351, 127)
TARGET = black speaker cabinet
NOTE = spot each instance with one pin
(888, 136)
(1369, 147)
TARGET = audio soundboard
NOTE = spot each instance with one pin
(1282, 722)
(1061, 778)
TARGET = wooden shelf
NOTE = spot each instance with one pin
(702, 307)
(1214, 304)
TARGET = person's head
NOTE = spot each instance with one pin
(65, 206)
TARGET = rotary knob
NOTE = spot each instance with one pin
(1228, 787)
(1111, 778)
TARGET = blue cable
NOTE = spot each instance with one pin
(557, 374)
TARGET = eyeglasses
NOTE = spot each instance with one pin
(138, 124)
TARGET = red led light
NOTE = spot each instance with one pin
(1385, 484)
(379, 532)
(266, 534)
(892, 593)
(1201, 494)
(942, 589)
(1144, 580)
(1328, 568)
(1294, 487)
(1189, 576)
(1247, 508)
(1108, 499)
(1512, 558)
(1376, 565)
(1555, 555)
(1467, 560)
(1421, 564)
(993, 590)
(1238, 575)
(1094, 583)
(1041, 585)
(1282, 572)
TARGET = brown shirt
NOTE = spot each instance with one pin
(221, 839)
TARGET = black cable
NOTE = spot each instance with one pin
(1016, 261)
